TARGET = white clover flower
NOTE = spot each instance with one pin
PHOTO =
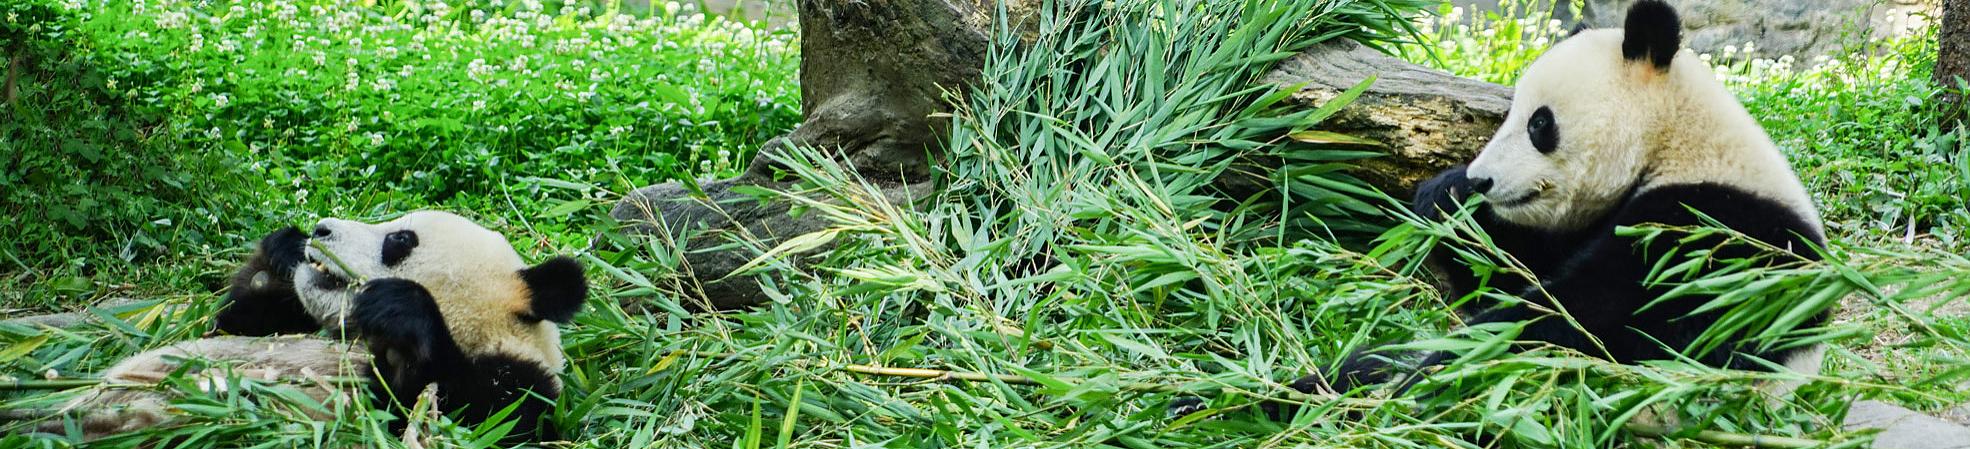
(478, 105)
(375, 138)
(477, 69)
(221, 100)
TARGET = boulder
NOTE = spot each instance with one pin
(1902, 428)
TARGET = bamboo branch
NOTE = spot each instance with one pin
(354, 278)
(1639, 428)
(57, 384)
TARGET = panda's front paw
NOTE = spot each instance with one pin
(262, 300)
(1444, 192)
(280, 252)
(400, 320)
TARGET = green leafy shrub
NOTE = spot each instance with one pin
(1863, 130)
(1492, 45)
(186, 128)
(81, 165)
(434, 100)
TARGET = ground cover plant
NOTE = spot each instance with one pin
(1083, 260)
(181, 128)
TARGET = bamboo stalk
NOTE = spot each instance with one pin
(355, 279)
(56, 384)
(1637, 427)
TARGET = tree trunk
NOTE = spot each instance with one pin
(873, 75)
(1953, 58)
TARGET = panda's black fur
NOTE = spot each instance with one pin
(1595, 274)
(262, 301)
(399, 318)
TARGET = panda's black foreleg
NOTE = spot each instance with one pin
(406, 336)
(261, 300)
(413, 348)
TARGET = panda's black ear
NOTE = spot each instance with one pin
(1652, 32)
(558, 288)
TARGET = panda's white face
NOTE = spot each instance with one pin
(471, 272)
(439, 250)
(1576, 137)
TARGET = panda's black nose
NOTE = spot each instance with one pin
(321, 231)
(1479, 185)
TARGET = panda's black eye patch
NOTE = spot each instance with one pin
(397, 246)
(1545, 133)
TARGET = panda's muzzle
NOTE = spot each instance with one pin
(1517, 201)
(325, 278)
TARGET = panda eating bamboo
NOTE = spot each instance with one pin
(433, 299)
(1613, 128)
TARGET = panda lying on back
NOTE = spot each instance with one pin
(447, 302)
(1609, 128)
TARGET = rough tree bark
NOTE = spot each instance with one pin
(1953, 56)
(873, 72)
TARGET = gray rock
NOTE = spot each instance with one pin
(1801, 29)
(1902, 428)
(725, 229)
(1427, 120)
(1959, 415)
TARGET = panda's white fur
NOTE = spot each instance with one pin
(1678, 126)
(446, 302)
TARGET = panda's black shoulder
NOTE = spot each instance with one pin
(1757, 216)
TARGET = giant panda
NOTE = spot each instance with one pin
(1612, 128)
(430, 298)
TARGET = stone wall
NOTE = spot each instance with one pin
(1799, 28)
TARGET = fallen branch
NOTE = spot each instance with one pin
(64, 384)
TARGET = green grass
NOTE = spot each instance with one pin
(154, 135)
(1083, 242)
